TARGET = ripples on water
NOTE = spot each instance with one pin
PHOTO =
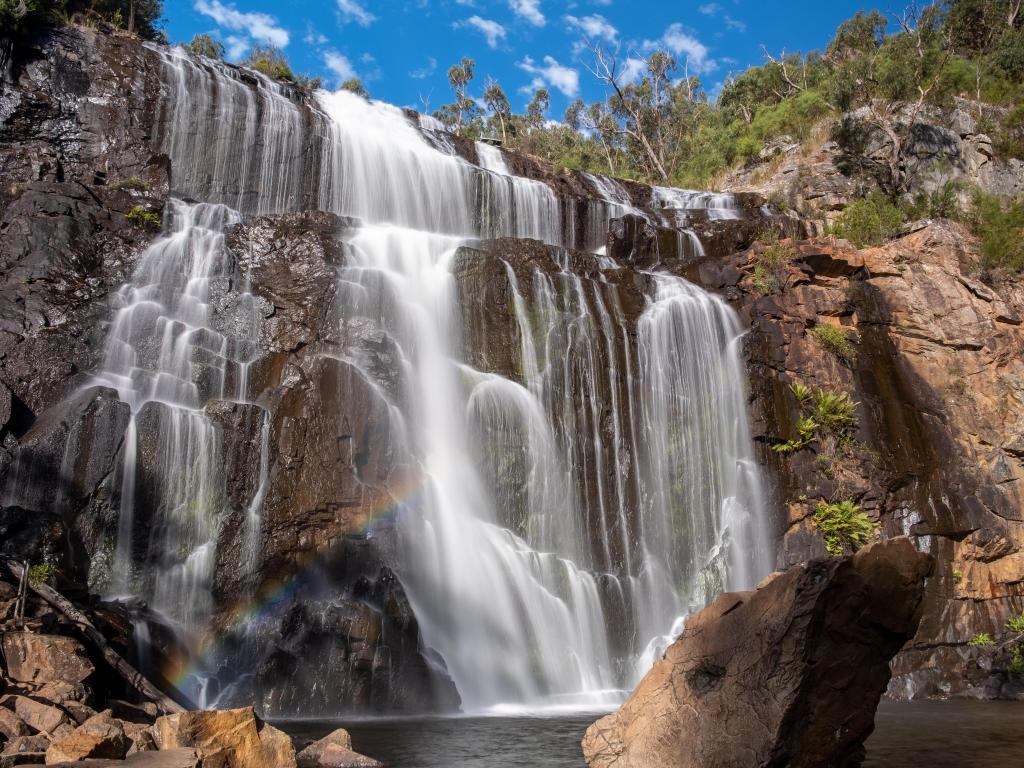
(922, 734)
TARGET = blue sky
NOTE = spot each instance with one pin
(402, 49)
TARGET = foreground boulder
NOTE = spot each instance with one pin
(233, 738)
(334, 751)
(790, 675)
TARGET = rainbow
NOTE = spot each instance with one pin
(275, 592)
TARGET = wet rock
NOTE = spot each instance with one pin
(236, 737)
(790, 674)
(334, 751)
(308, 757)
(40, 659)
(101, 736)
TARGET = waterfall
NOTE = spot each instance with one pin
(566, 515)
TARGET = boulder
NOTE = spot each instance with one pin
(12, 726)
(40, 659)
(334, 751)
(40, 717)
(790, 674)
(234, 738)
(101, 736)
(335, 756)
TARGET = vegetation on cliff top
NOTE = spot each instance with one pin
(664, 127)
(141, 17)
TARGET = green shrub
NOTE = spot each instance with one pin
(940, 204)
(839, 341)
(769, 260)
(823, 413)
(958, 575)
(1000, 228)
(40, 573)
(1008, 140)
(1016, 666)
(869, 221)
(1016, 624)
(134, 184)
(204, 45)
(270, 61)
(844, 526)
(144, 219)
(981, 639)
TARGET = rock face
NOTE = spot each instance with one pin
(789, 675)
(936, 373)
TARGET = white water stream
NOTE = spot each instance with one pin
(567, 518)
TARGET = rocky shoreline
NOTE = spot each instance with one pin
(63, 702)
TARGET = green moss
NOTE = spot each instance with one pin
(134, 184)
(843, 526)
(40, 573)
(144, 219)
(1016, 624)
(841, 342)
(981, 640)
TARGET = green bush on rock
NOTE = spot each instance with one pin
(870, 221)
(843, 526)
(839, 341)
(144, 219)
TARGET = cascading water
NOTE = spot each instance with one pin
(566, 517)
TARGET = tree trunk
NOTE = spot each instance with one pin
(131, 675)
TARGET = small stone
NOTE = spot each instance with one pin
(309, 756)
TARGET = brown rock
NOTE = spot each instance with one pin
(101, 736)
(336, 756)
(40, 659)
(789, 674)
(34, 745)
(234, 738)
(62, 692)
(40, 717)
(310, 756)
(12, 726)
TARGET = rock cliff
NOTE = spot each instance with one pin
(936, 375)
(765, 668)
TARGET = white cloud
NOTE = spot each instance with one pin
(693, 52)
(236, 47)
(710, 9)
(529, 10)
(594, 27)
(313, 36)
(732, 23)
(353, 11)
(553, 74)
(424, 72)
(491, 30)
(339, 65)
(258, 26)
(632, 69)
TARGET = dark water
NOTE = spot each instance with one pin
(921, 734)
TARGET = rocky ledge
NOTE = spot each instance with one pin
(68, 698)
(791, 673)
